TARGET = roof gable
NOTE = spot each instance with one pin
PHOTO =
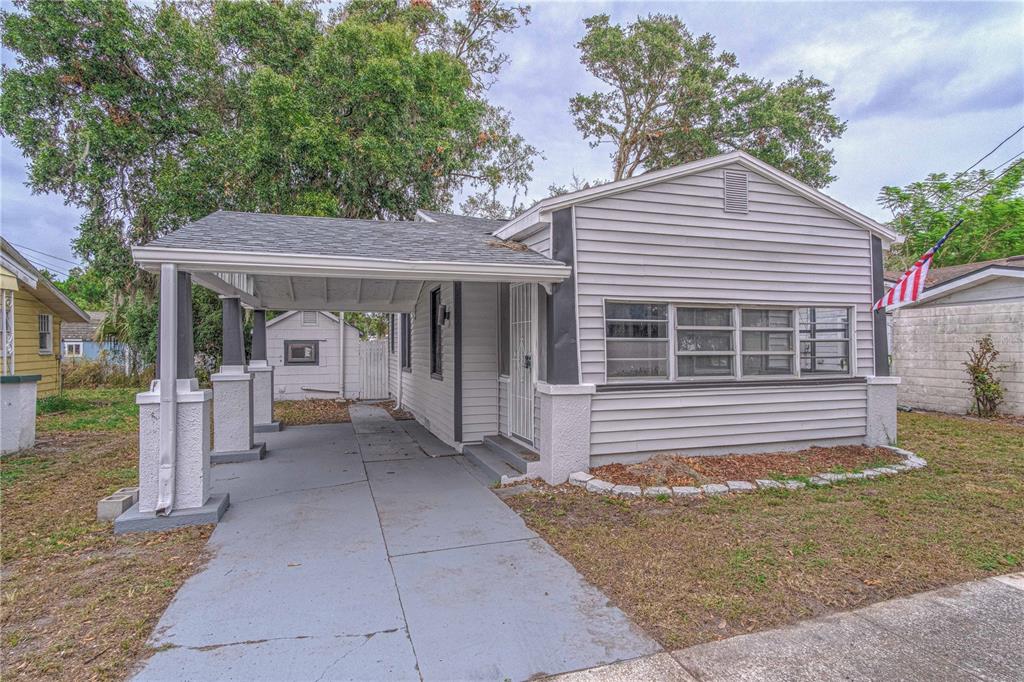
(529, 219)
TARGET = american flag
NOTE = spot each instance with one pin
(911, 284)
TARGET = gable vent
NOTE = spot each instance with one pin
(735, 191)
(308, 318)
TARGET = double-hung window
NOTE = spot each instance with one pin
(723, 342)
(637, 340)
(45, 334)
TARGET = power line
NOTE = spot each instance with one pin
(44, 253)
(993, 151)
(42, 265)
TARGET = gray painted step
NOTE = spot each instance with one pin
(490, 462)
(513, 453)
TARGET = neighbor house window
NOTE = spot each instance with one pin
(436, 334)
(406, 337)
(308, 318)
(45, 334)
(824, 340)
(636, 340)
(766, 341)
(722, 342)
(73, 349)
(301, 352)
(704, 342)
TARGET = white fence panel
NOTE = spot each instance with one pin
(373, 365)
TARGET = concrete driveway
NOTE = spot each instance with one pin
(349, 554)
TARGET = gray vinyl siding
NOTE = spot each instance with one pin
(727, 419)
(431, 401)
(479, 360)
(539, 241)
(672, 241)
(1004, 290)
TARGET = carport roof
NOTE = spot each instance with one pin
(439, 237)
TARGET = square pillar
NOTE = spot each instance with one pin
(233, 396)
(174, 426)
(262, 377)
(18, 406)
(881, 426)
(564, 438)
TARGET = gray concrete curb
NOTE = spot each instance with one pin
(259, 451)
(134, 521)
(590, 483)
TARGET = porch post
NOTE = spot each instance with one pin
(233, 395)
(174, 426)
(262, 377)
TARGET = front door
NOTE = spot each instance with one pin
(520, 398)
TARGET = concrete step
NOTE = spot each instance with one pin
(514, 454)
(489, 462)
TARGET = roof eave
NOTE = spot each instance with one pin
(971, 279)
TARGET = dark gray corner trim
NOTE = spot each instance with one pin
(234, 346)
(562, 337)
(186, 337)
(259, 334)
(457, 330)
(767, 383)
(20, 378)
(881, 345)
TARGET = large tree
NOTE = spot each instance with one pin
(672, 98)
(990, 204)
(148, 116)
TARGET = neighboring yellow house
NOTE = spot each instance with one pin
(31, 312)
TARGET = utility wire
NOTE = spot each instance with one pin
(993, 151)
(48, 255)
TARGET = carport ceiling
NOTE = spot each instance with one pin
(276, 292)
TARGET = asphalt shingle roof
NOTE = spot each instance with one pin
(451, 238)
(940, 275)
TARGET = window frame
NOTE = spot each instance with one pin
(48, 348)
(667, 340)
(436, 334)
(737, 353)
(849, 339)
(71, 343)
(405, 345)
(315, 362)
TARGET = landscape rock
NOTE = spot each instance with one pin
(656, 491)
(596, 485)
(767, 483)
(580, 478)
(685, 491)
(627, 491)
(741, 486)
(714, 489)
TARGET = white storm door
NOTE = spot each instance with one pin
(520, 385)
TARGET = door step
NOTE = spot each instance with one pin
(514, 453)
(490, 463)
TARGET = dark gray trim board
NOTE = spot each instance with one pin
(259, 335)
(20, 378)
(457, 360)
(562, 337)
(881, 347)
(682, 385)
(234, 344)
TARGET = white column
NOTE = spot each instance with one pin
(881, 426)
(233, 395)
(564, 439)
(262, 377)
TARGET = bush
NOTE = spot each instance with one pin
(101, 373)
(981, 368)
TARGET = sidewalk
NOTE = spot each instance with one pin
(973, 631)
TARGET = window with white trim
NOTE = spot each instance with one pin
(637, 340)
(824, 340)
(45, 334)
(72, 349)
(723, 342)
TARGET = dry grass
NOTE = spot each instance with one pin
(79, 602)
(699, 571)
(312, 411)
(392, 409)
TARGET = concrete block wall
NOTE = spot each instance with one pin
(930, 345)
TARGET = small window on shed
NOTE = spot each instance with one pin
(735, 191)
(308, 318)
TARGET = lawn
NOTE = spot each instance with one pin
(79, 602)
(691, 572)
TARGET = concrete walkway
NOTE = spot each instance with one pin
(973, 631)
(350, 554)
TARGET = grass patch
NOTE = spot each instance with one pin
(695, 571)
(79, 602)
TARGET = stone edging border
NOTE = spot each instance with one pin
(581, 479)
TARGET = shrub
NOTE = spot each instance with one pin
(981, 368)
(100, 373)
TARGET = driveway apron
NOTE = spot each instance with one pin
(349, 554)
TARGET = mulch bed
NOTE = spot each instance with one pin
(312, 411)
(396, 414)
(676, 470)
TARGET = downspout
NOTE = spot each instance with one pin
(401, 373)
(341, 354)
(168, 388)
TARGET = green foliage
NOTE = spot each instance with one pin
(672, 99)
(981, 368)
(992, 208)
(371, 325)
(150, 115)
(86, 288)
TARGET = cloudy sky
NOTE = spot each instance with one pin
(923, 86)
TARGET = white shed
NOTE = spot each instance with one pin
(303, 347)
(960, 305)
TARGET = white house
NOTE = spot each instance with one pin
(960, 305)
(718, 306)
(303, 347)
